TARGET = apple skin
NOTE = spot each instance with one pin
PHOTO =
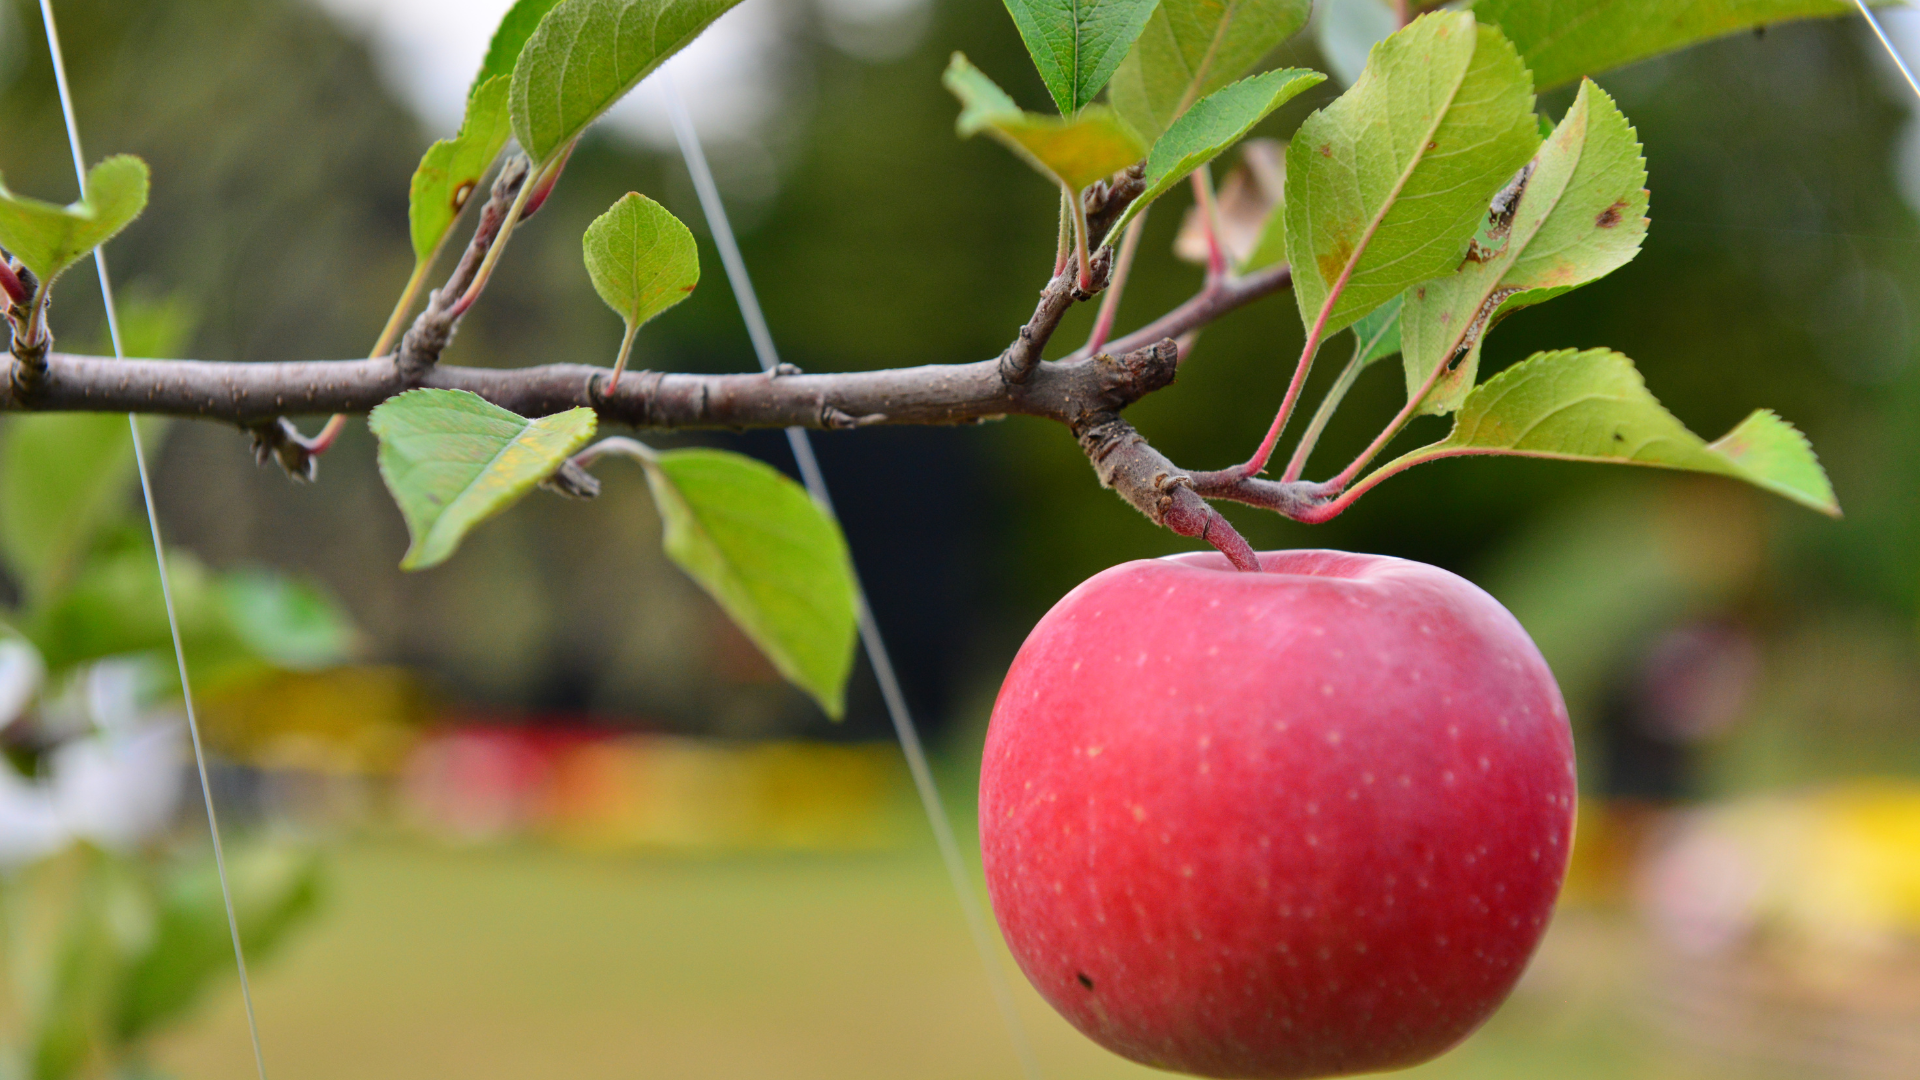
(1305, 822)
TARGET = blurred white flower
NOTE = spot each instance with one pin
(30, 827)
(21, 672)
(115, 782)
(118, 789)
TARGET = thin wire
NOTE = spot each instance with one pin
(816, 484)
(1867, 13)
(159, 549)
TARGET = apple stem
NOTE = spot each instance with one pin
(1187, 514)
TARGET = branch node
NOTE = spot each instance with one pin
(433, 330)
(835, 418)
(1106, 201)
(1132, 376)
(278, 441)
(571, 481)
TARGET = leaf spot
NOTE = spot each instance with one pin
(1611, 215)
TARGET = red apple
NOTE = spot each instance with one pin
(1305, 822)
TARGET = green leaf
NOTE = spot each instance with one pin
(63, 478)
(1214, 124)
(290, 624)
(1593, 406)
(71, 991)
(1385, 184)
(275, 890)
(1190, 48)
(1561, 40)
(49, 238)
(509, 38)
(586, 55)
(1077, 44)
(641, 258)
(1379, 332)
(452, 168)
(1576, 215)
(113, 607)
(235, 626)
(770, 556)
(1076, 152)
(452, 459)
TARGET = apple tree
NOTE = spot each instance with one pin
(1410, 216)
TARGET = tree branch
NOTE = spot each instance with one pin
(1207, 305)
(1086, 393)
(257, 394)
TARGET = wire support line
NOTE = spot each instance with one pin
(870, 638)
(1887, 44)
(159, 548)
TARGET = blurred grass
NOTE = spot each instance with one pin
(533, 962)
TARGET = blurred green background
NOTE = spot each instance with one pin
(1714, 643)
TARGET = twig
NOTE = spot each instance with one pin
(1393, 428)
(1207, 305)
(1116, 285)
